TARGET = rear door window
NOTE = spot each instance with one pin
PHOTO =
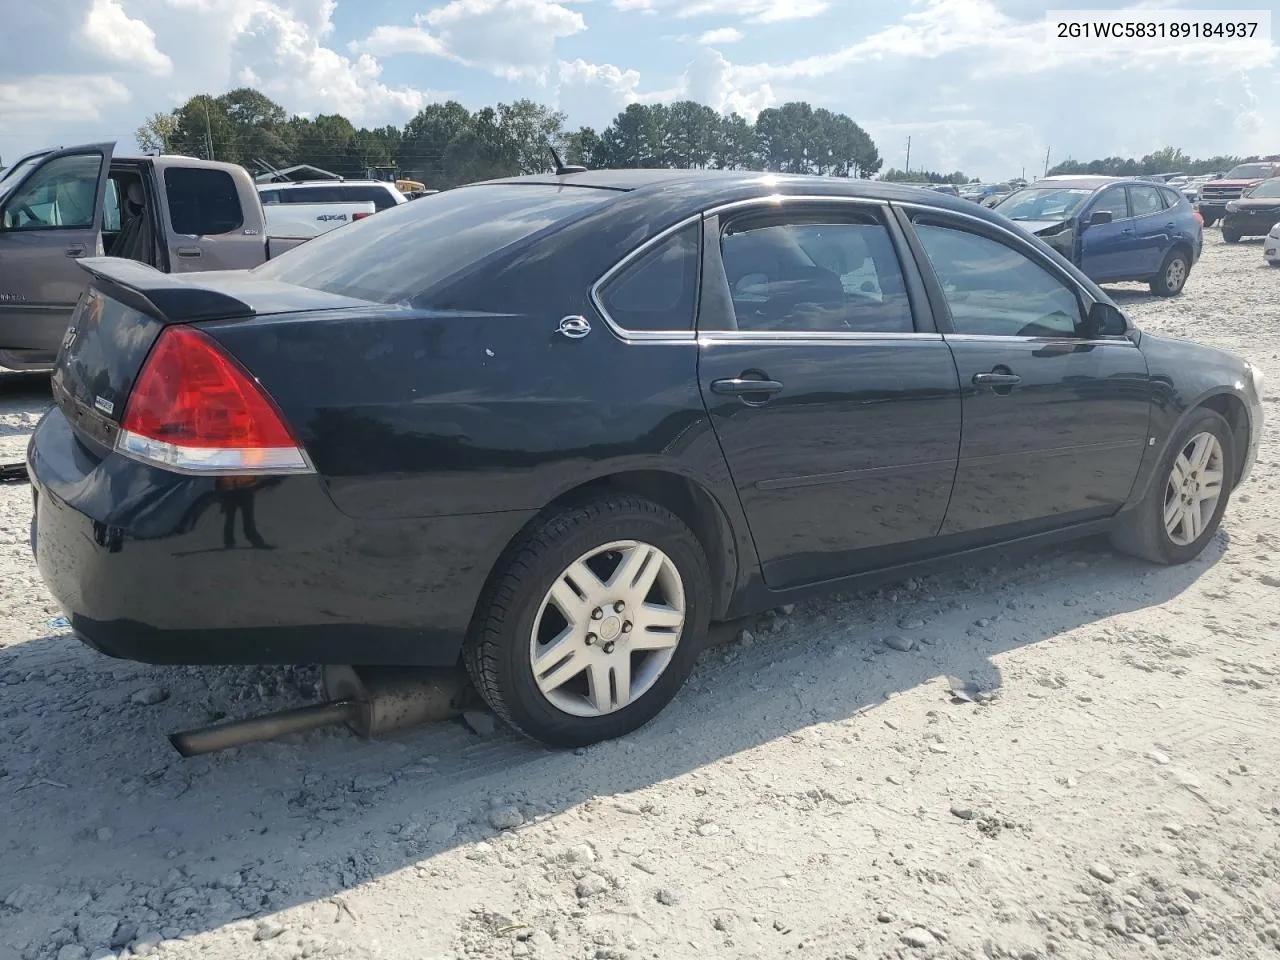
(1145, 201)
(202, 202)
(380, 196)
(658, 290)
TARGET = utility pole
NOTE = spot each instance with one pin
(1046, 160)
(908, 170)
(208, 133)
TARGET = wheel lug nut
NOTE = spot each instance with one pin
(597, 614)
(619, 607)
(608, 647)
(591, 638)
(626, 627)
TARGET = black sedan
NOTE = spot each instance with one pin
(552, 426)
(1253, 215)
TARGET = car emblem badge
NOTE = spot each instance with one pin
(575, 328)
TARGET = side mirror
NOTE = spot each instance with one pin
(1100, 217)
(1105, 320)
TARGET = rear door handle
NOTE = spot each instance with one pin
(75, 250)
(190, 252)
(742, 386)
(996, 379)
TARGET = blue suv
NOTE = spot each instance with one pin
(1113, 229)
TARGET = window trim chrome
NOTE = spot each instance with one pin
(626, 334)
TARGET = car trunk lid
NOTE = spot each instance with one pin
(117, 322)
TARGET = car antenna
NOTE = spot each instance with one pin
(561, 169)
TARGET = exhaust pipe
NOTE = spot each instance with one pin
(371, 701)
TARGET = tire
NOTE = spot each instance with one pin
(1209, 222)
(1230, 236)
(1143, 531)
(501, 647)
(1173, 274)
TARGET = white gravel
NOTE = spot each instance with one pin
(1070, 757)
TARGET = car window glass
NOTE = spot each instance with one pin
(269, 196)
(202, 202)
(1112, 201)
(1145, 201)
(1268, 188)
(401, 255)
(659, 289)
(1171, 198)
(993, 290)
(111, 208)
(828, 275)
(381, 197)
(59, 194)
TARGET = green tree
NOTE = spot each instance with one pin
(692, 134)
(582, 147)
(156, 134)
(203, 129)
(735, 143)
(636, 138)
(525, 130)
(426, 141)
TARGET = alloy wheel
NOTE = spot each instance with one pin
(607, 628)
(1193, 489)
(1176, 274)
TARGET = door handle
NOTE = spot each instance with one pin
(743, 387)
(996, 379)
(1127, 230)
(189, 252)
(75, 250)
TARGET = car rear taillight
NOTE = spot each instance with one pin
(195, 410)
(360, 216)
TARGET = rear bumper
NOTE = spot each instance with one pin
(162, 568)
(1212, 208)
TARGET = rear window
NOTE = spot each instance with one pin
(202, 203)
(397, 256)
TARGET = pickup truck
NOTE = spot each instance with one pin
(177, 214)
(1215, 195)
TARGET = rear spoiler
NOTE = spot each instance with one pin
(164, 296)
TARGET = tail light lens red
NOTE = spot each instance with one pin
(195, 410)
(360, 216)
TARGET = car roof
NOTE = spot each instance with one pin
(702, 188)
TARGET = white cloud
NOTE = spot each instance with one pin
(118, 37)
(722, 35)
(593, 93)
(758, 11)
(514, 39)
(77, 97)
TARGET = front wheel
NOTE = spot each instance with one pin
(1209, 222)
(1183, 507)
(594, 624)
(1173, 274)
(1231, 236)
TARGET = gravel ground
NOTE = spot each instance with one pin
(1104, 787)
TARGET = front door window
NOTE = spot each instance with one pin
(60, 194)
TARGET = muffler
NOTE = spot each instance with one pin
(371, 701)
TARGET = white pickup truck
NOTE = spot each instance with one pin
(177, 214)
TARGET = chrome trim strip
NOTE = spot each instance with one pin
(645, 335)
(779, 200)
(1047, 341)
(807, 336)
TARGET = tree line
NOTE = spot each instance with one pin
(446, 144)
(1167, 160)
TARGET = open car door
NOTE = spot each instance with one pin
(50, 216)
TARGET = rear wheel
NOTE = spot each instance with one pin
(1210, 221)
(1173, 274)
(594, 624)
(1230, 236)
(1183, 506)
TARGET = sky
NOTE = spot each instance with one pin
(975, 84)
